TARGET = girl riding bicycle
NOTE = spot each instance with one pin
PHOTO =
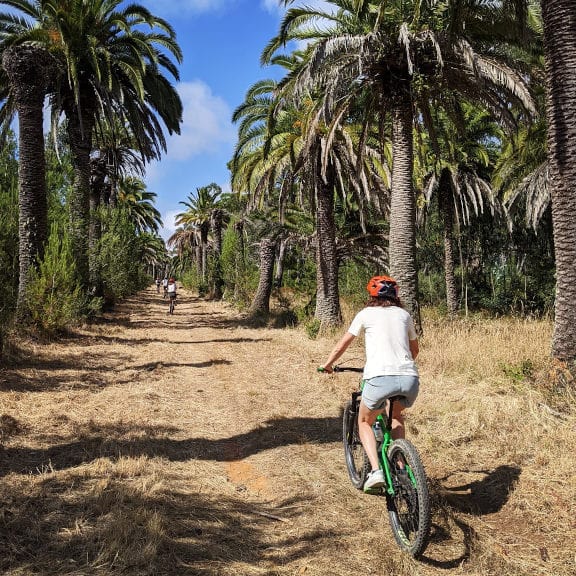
(391, 347)
(171, 291)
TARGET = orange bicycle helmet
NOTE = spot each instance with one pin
(382, 287)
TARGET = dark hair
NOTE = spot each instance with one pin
(384, 302)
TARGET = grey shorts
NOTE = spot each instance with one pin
(378, 389)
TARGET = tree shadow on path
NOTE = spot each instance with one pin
(120, 441)
(90, 523)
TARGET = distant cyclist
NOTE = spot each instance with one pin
(171, 290)
(158, 282)
(165, 286)
(391, 347)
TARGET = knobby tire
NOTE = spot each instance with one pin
(357, 462)
(409, 508)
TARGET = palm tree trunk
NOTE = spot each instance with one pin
(239, 265)
(446, 207)
(217, 225)
(28, 69)
(327, 293)
(80, 147)
(560, 51)
(279, 273)
(204, 230)
(402, 236)
(261, 303)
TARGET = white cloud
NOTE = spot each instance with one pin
(207, 123)
(169, 221)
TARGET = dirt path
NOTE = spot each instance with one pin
(189, 444)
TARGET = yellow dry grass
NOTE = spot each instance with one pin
(200, 445)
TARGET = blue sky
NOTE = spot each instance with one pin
(222, 41)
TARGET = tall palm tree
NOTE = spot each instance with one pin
(398, 56)
(560, 50)
(29, 69)
(114, 58)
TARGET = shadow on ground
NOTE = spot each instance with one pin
(117, 441)
(486, 494)
(91, 524)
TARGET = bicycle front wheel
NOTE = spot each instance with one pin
(356, 460)
(409, 507)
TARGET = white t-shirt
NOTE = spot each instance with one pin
(172, 288)
(387, 332)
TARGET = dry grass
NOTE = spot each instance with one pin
(199, 445)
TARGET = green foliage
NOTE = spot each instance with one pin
(240, 277)
(300, 271)
(353, 279)
(518, 372)
(119, 256)
(432, 290)
(192, 280)
(54, 299)
(8, 233)
(312, 328)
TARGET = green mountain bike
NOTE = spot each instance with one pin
(406, 487)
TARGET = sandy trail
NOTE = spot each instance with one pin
(189, 444)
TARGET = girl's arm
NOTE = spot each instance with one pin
(338, 350)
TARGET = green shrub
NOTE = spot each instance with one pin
(312, 328)
(54, 299)
(118, 256)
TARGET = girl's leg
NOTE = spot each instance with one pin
(366, 418)
(398, 421)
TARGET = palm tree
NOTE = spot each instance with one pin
(29, 69)
(203, 212)
(559, 18)
(399, 57)
(116, 156)
(114, 58)
(457, 159)
(286, 145)
(521, 174)
(261, 302)
(139, 203)
(153, 252)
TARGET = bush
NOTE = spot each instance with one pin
(118, 256)
(54, 299)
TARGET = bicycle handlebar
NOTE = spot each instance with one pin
(342, 369)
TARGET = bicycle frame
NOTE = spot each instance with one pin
(386, 424)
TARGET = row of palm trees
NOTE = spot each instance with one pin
(344, 115)
(104, 68)
(381, 105)
(380, 97)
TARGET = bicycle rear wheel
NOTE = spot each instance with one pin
(356, 460)
(409, 507)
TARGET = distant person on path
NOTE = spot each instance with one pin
(172, 290)
(391, 346)
(165, 286)
(158, 282)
